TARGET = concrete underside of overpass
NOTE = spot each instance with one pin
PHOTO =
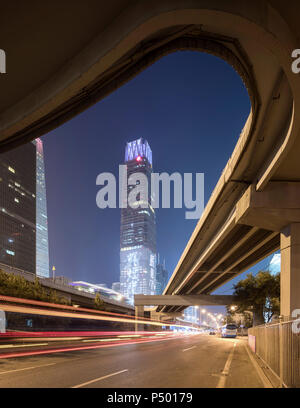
(182, 300)
(63, 57)
(179, 301)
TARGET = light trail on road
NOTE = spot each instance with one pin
(95, 346)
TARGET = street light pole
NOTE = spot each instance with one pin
(197, 315)
(202, 311)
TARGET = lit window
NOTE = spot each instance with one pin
(17, 200)
(10, 252)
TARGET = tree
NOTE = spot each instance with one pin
(17, 286)
(240, 319)
(259, 294)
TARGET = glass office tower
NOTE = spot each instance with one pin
(161, 276)
(18, 208)
(42, 244)
(138, 231)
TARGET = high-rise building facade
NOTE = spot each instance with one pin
(161, 276)
(42, 243)
(191, 314)
(138, 230)
(18, 208)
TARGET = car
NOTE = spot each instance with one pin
(229, 330)
(212, 333)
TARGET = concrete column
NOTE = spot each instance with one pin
(290, 269)
(139, 315)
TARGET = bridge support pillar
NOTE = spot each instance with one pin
(139, 315)
(290, 269)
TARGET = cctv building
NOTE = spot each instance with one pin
(138, 230)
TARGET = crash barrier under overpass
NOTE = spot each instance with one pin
(278, 346)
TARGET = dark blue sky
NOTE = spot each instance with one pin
(191, 107)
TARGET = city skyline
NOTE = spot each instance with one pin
(160, 105)
(150, 277)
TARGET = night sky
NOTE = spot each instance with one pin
(191, 107)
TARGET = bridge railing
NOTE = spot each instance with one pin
(278, 346)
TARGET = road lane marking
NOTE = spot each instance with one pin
(26, 368)
(190, 348)
(266, 382)
(99, 379)
(225, 372)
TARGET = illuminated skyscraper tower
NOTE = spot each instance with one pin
(18, 208)
(42, 246)
(138, 232)
(161, 276)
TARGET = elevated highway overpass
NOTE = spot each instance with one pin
(73, 295)
(62, 59)
(258, 225)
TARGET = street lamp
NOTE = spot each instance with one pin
(202, 311)
(53, 273)
(197, 317)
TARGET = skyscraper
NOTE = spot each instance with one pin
(161, 276)
(138, 231)
(42, 244)
(18, 208)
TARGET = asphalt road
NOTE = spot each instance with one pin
(198, 361)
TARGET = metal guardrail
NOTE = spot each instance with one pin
(278, 346)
